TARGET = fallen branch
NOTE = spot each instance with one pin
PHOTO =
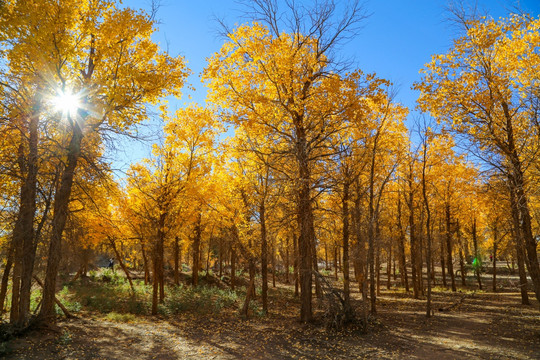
(60, 305)
(457, 303)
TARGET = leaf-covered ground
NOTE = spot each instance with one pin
(483, 326)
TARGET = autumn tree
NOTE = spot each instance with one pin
(97, 63)
(484, 89)
(285, 83)
(169, 186)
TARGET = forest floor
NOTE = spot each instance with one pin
(480, 325)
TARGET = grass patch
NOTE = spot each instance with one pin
(116, 317)
(114, 296)
(200, 299)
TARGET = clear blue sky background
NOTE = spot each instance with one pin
(395, 42)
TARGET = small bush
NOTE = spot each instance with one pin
(116, 317)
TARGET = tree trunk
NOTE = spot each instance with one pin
(371, 262)
(287, 280)
(220, 258)
(177, 262)
(449, 248)
(461, 257)
(443, 264)
(23, 233)
(428, 231)
(233, 266)
(305, 220)
(196, 252)
(157, 273)
(520, 254)
(61, 202)
(401, 250)
(478, 261)
(264, 257)
(122, 265)
(520, 203)
(251, 288)
(345, 221)
(389, 268)
(5, 277)
(326, 267)
(494, 259)
(335, 262)
(378, 261)
(273, 266)
(145, 264)
(414, 243)
(295, 264)
(315, 262)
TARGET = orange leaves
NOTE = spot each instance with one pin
(471, 85)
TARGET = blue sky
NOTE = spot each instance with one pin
(395, 42)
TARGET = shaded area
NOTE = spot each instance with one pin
(484, 326)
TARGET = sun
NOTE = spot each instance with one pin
(67, 103)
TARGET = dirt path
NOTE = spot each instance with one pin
(484, 326)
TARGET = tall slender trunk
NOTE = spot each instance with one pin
(220, 258)
(401, 250)
(345, 221)
(389, 267)
(520, 255)
(61, 202)
(160, 256)
(233, 267)
(264, 257)
(295, 265)
(145, 264)
(494, 258)
(177, 262)
(371, 259)
(378, 258)
(371, 239)
(478, 261)
(523, 282)
(414, 243)
(196, 252)
(449, 248)
(421, 239)
(315, 263)
(428, 231)
(273, 265)
(359, 256)
(461, 256)
(336, 262)
(208, 251)
(157, 261)
(443, 263)
(326, 267)
(287, 264)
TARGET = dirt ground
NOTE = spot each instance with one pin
(483, 326)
